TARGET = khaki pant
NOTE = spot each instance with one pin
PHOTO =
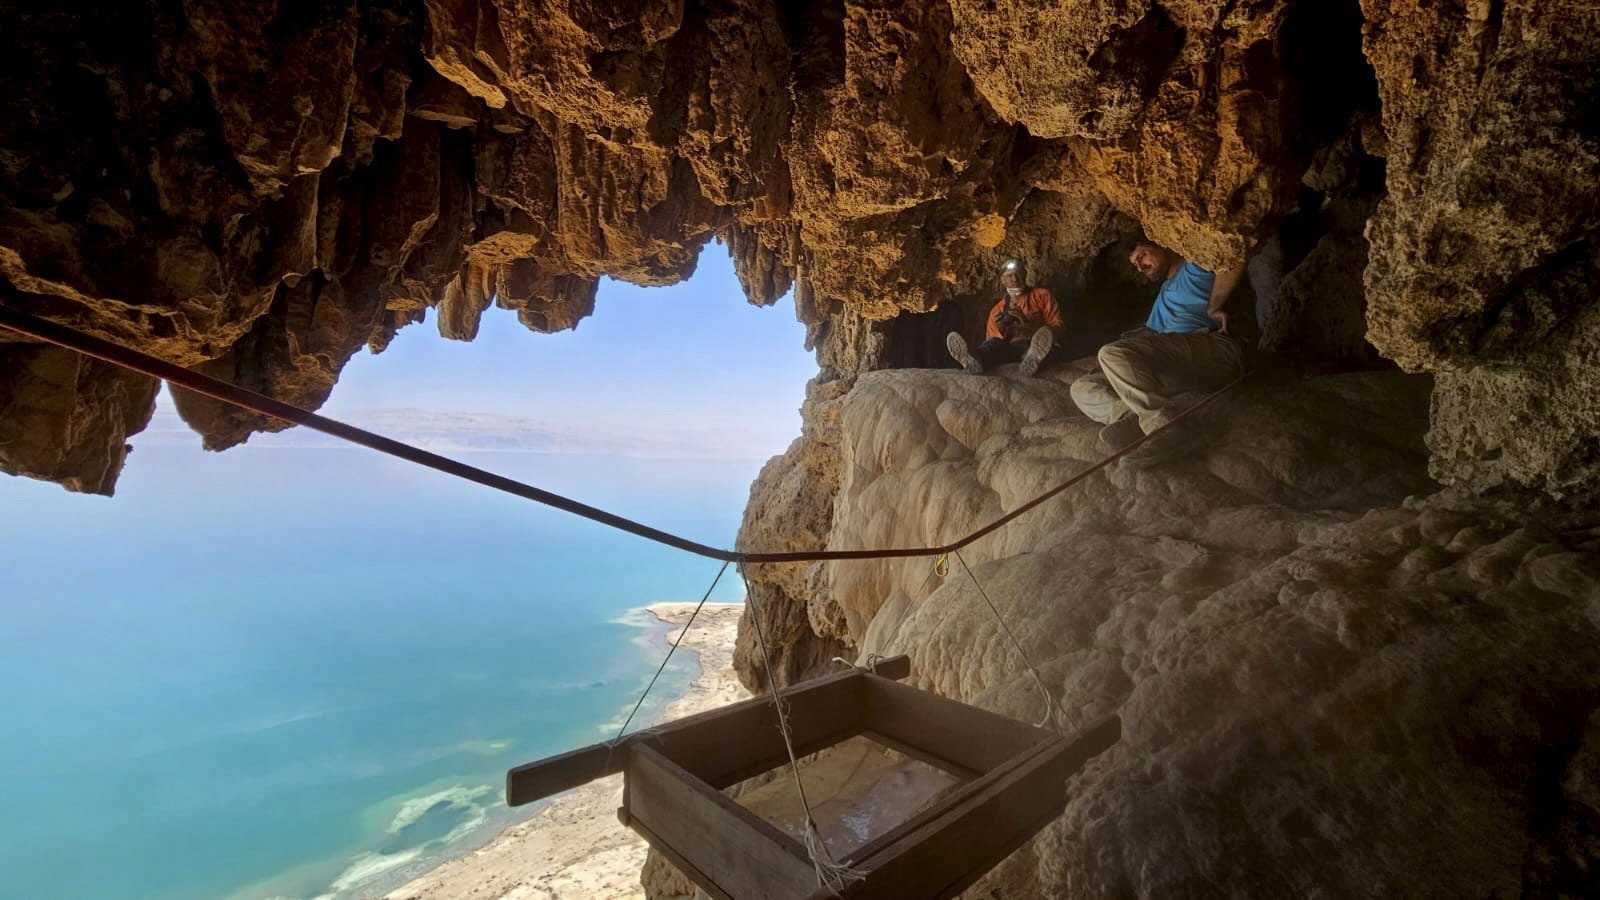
(1156, 376)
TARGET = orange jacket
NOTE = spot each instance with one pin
(1037, 307)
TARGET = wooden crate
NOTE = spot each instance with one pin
(1015, 783)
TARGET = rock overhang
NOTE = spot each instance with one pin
(261, 193)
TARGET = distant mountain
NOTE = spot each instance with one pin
(469, 432)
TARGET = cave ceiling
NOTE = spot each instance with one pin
(258, 191)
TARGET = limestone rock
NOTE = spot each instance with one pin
(168, 173)
(791, 509)
(67, 418)
(725, 110)
(1179, 112)
(294, 354)
(955, 451)
(1416, 660)
(278, 120)
(623, 211)
(1525, 424)
(462, 42)
(1310, 665)
(1082, 69)
(1482, 251)
(595, 66)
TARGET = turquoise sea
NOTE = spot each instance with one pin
(293, 672)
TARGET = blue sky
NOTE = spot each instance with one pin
(688, 357)
(693, 368)
(287, 584)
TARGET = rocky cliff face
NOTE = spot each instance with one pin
(1332, 674)
(260, 193)
(1333, 680)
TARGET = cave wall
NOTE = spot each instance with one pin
(260, 193)
(1483, 257)
(1334, 680)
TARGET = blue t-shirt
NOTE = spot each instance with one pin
(1180, 308)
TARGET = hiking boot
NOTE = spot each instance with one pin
(1164, 447)
(1044, 340)
(1120, 433)
(957, 345)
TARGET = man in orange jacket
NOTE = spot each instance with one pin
(1022, 327)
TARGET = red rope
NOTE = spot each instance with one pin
(118, 355)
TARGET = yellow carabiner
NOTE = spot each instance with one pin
(941, 566)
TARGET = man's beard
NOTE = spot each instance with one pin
(1150, 277)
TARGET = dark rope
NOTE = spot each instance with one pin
(260, 403)
(1051, 707)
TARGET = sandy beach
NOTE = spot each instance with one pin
(574, 846)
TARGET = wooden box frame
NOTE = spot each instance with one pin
(1015, 783)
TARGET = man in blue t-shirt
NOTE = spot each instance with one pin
(1152, 374)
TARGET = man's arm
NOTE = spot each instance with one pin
(1221, 286)
(993, 329)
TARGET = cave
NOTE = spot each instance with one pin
(1351, 636)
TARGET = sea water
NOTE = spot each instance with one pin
(294, 672)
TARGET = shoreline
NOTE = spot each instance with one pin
(573, 846)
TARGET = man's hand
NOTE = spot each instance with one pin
(1221, 286)
(1007, 321)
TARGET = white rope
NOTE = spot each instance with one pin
(1052, 708)
(870, 664)
(831, 875)
(941, 567)
(612, 746)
